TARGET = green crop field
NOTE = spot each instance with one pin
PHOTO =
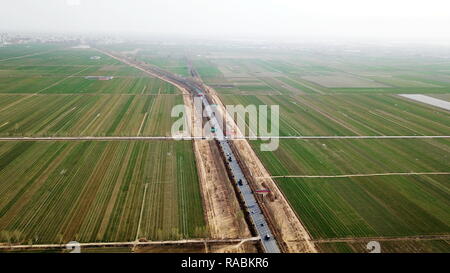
(41, 71)
(61, 57)
(350, 115)
(72, 80)
(348, 94)
(365, 206)
(14, 51)
(53, 97)
(121, 85)
(370, 206)
(356, 156)
(52, 192)
(87, 115)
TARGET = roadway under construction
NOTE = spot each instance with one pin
(258, 219)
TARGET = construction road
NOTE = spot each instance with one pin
(268, 241)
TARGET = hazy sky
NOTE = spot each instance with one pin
(398, 19)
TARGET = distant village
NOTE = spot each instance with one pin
(17, 39)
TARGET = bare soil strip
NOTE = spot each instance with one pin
(143, 89)
(224, 216)
(356, 175)
(6, 123)
(134, 243)
(428, 100)
(142, 211)
(142, 123)
(90, 123)
(222, 210)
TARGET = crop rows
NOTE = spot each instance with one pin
(391, 205)
(63, 57)
(356, 156)
(87, 115)
(351, 115)
(80, 85)
(55, 192)
(371, 206)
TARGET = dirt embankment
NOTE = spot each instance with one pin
(224, 216)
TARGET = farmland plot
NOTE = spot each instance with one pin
(399, 82)
(206, 69)
(338, 80)
(356, 156)
(63, 57)
(14, 51)
(28, 84)
(54, 192)
(14, 71)
(87, 115)
(389, 205)
(118, 85)
(350, 115)
(77, 84)
(51, 70)
(392, 90)
(371, 206)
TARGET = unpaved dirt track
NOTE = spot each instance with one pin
(238, 241)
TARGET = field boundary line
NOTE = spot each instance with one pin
(134, 243)
(6, 123)
(28, 55)
(356, 175)
(142, 123)
(111, 138)
(399, 238)
(17, 102)
(90, 123)
(60, 81)
(143, 89)
(141, 213)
